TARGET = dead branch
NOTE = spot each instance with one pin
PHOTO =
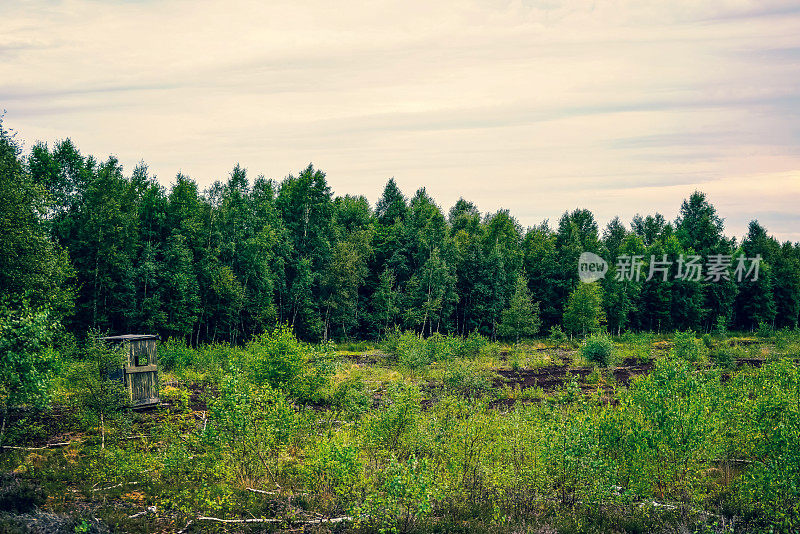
(217, 519)
(150, 509)
(115, 486)
(305, 522)
(262, 491)
(48, 446)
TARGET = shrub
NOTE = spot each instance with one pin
(686, 346)
(405, 496)
(389, 429)
(351, 396)
(557, 336)
(473, 345)
(721, 328)
(283, 362)
(391, 341)
(179, 398)
(466, 378)
(598, 349)
(725, 355)
(175, 355)
(334, 471)
(412, 351)
(765, 330)
(442, 348)
(252, 425)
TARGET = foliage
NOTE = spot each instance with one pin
(404, 497)
(688, 347)
(598, 349)
(95, 381)
(178, 397)
(226, 263)
(557, 336)
(175, 355)
(279, 360)
(521, 317)
(583, 312)
(252, 425)
(466, 378)
(399, 444)
(334, 471)
(27, 362)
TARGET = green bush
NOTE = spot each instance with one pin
(687, 347)
(175, 355)
(251, 425)
(392, 428)
(405, 496)
(765, 330)
(334, 472)
(466, 378)
(598, 349)
(412, 351)
(725, 355)
(390, 343)
(280, 360)
(442, 348)
(707, 340)
(557, 336)
(177, 397)
(351, 396)
(473, 345)
(721, 328)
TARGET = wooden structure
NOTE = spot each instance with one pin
(140, 368)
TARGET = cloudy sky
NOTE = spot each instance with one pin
(619, 106)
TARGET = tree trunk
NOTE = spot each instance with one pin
(102, 431)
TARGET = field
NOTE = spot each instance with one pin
(670, 433)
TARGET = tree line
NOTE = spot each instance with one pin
(102, 249)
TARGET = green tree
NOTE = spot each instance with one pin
(32, 266)
(521, 317)
(431, 295)
(26, 359)
(584, 310)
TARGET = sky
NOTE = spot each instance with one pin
(618, 106)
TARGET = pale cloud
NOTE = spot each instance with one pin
(618, 106)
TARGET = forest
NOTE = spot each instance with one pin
(330, 366)
(120, 253)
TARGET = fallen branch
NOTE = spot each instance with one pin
(305, 522)
(143, 512)
(115, 486)
(262, 491)
(328, 520)
(48, 446)
(217, 519)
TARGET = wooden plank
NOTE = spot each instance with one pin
(141, 402)
(142, 369)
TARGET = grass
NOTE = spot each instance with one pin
(440, 445)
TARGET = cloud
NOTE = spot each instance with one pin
(621, 106)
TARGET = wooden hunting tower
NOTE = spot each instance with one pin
(140, 367)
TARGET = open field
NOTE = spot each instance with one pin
(439, 435)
